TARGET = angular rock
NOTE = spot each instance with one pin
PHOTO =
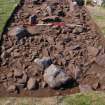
(35, 1)
(11, 88)
(61, 13)
(100, 60)
(78, 30)
(10, 75)
(92, 51)
(55, 77)
(32, 19)
(18, 73)
(32, 84)
(19, 32)
(44, 62)
(85, 88)
(80, 2)
(49, 10)
(75, 71)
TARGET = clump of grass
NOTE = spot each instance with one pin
(6, 8)
(85, 99)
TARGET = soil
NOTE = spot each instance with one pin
(76, 45)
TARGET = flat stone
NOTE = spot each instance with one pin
(11, 88)
(31, 84)
(92, 51)
(78, 30)
(55, 77)
(19, 32)
(85, 88)
(100, 60)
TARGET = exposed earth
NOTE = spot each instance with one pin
(49, 51)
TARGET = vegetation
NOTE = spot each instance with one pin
(98, 14)
(6, 8)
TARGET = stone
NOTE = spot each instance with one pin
(51, 19)
(31, 84)
(61, 13)
(74, 71)
(19, 32)
(43, 85)
(78, 30)
(96, 85)
(23, 80)
(49, 10)
(4, 55)
(11, 88)
(100, 60)
(85, 88)
(32, 19)
(18, 73)
(80, 2)
(3, 77)
(55, 77)
(92, 51)
(44, 62)
(35, 1)
(10, 75)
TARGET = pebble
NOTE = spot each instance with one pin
(31, 84)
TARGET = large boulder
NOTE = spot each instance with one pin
(55, 77)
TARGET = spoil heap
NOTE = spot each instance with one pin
(48, 50)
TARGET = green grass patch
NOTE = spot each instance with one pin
(85, 99)
(6, 8)
(101, 18)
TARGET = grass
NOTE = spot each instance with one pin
(85, 99)
(6, 8)
(98, 14)
(93, 98)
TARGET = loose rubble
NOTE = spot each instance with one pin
(51, 48)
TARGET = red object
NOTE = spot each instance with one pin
(58, 24)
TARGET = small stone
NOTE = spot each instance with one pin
(61, 13)
(85, 88)
(18, 73)
(32, 84)
(49, 10)
(100, 60)
(11, 88)
(74, 71)
(92, 51)
(96, 85)
(21, 32)
(44, 62)
(77, 30)
(3, 77)
(43, 84)
(32, 19)
(23, 80)
(10, 75)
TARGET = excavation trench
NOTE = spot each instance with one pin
(72, 42)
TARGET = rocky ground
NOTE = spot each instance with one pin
(49, 51)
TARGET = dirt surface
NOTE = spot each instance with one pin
(70, 40)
